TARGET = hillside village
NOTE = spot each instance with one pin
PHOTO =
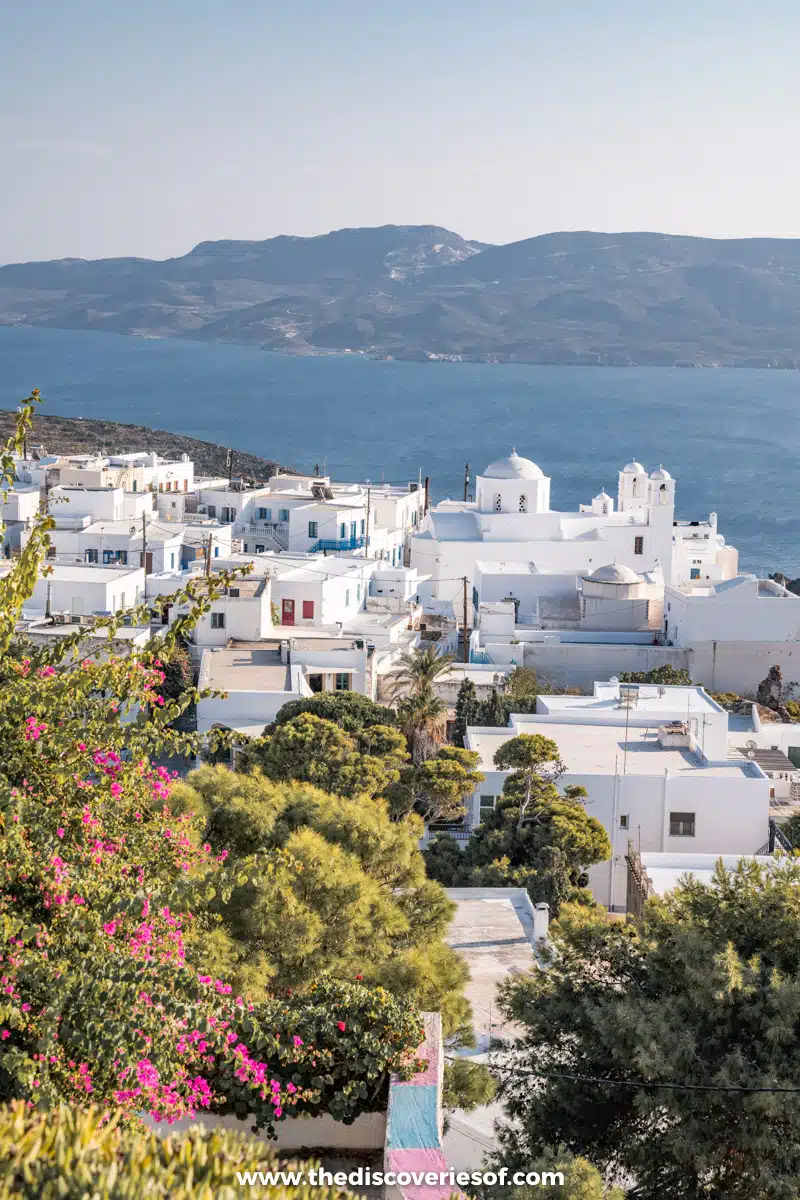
(465, 661)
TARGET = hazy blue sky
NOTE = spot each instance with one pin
(142, 128)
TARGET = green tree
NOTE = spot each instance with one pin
(438, 787)
(417, 672)
(350, 710)
(466, 710)
(493, 713)
(535, 837)
(467, 1085)
(522, 684)
(704, 992)
(423, 721)
(667, 675)
(346, 891)
(313, 750)
(534, 764)
(66, 1153)
(581, 1181)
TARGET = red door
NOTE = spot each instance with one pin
(287, 613)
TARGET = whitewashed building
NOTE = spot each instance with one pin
(511, 522)
(657, 767)
(83, 590)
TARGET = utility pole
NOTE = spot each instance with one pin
(229, 464)
(427, 493)
(366, 541)
(144, 553)
(466, 632)
(208, 554)
(466, 481)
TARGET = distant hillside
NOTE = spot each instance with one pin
(72, 435)
(418, 292)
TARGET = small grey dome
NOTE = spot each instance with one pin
(614, 573)
(633, 468)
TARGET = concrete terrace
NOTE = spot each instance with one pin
(603, 749)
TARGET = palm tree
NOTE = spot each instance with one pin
(423, 720)
(417, 672)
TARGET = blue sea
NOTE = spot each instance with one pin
(730, 437)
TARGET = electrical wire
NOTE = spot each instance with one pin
(647, 1084)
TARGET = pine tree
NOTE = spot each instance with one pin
(466, 710)
(703, 993)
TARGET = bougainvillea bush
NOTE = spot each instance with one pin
(107, 902)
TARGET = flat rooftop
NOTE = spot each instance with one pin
(492, 933)
(246, 670)
(667, 870)
(601, 750)
(650, 700)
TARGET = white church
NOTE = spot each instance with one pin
(509, 542)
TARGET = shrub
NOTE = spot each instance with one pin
(71, 1154)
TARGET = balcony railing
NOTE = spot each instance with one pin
(353, 543)
(276, 531)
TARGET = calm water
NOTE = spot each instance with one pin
(729, 437)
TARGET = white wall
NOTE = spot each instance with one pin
(731, 816)
(736, 611)
(101, 504)
(100, 591)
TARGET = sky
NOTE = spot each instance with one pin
(142, 129)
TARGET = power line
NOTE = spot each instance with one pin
(643, 1083)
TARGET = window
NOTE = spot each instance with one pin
(342, 531)
(523, 502)
(135, 486)
(694, 573)
(487, 805)
(413, 518)
(313, 529)
(283, 514)
(264, 514)
(358, 591)
(624, 821)
(217, 620)
(169, 487)
(259, 548)
(115, 556)
(347, 598)
(342, 681)
(174, 505)
(638, 545)
(228, 515)
(498, 503)
(90, 556)
(681, 824)
(353, 528)
(212, 510)
(216, 552)
(474, 597)
(308, 610)
(363, 527)
(233, 592)
(172, 560)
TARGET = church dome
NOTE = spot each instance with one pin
(602, 495)
(661, 473)
(633, 468)
(513, 467)
(614, 573)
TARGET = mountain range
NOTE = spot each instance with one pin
(423, 292)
